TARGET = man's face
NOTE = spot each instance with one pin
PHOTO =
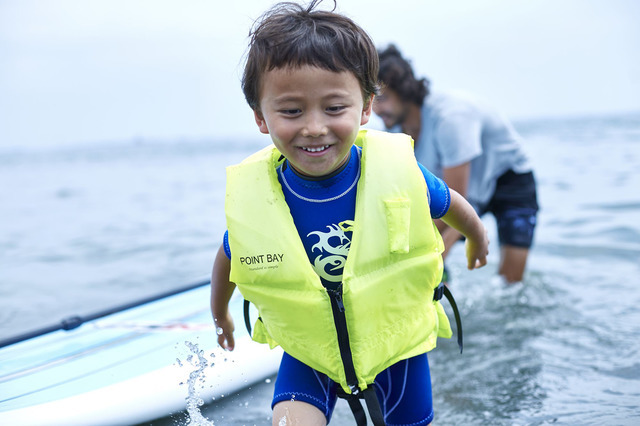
(390, 108)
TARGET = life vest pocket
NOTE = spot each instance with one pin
(398, 213)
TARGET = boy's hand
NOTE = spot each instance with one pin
(224, 330)
(462, 217)
(477, 251)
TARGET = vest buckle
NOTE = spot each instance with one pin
(355, 389)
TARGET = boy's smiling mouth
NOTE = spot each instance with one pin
(315, 149)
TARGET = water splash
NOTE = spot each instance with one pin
(194, 402)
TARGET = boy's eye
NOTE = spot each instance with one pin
(292, 111)
(336, 108)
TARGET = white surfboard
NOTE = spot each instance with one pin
(129, 367)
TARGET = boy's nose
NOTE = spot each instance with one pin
(314, 127)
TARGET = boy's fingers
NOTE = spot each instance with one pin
(221, 341)
(226, 341)
(230, 341)
(476, 263)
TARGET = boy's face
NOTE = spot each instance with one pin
(313, 116)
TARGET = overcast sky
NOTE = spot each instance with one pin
(86, 71)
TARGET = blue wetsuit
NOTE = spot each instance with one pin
(317, 207)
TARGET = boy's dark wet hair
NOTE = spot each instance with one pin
(290, 35)
(396, 74)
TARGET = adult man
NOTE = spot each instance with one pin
(473, 148)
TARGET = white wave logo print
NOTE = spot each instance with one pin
(334, 248)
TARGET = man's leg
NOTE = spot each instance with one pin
(515, 207)
(513, 261)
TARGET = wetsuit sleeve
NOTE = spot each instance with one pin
(225, 243)
(438, 193)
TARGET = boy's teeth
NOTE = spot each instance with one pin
(321, 148)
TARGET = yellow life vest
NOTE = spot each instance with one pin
(389, 277)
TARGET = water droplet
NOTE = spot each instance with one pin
(267, 381)
(219, 331)
(194, 402)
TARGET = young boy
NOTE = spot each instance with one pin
(330, 230)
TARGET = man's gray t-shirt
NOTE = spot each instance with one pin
(457, 128)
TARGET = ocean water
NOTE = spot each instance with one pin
(83, 228)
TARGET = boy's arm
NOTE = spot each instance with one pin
(221, 292)
(457, 178)
(462, 217)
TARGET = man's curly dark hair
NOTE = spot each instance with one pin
(396, 74)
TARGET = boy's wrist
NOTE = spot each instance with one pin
(220, 314)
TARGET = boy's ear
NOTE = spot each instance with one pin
(262, 124)
(366, 111)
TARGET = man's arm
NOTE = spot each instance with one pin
(458, 139)
(221, 292)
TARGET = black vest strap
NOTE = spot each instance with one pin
(247, 317)
(356, 408)
(373, 406)
(456, 313)
(443, 290)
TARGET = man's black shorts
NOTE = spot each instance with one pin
(514, 205)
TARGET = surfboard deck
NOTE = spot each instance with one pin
(129, 367)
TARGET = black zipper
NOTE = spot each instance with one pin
(340, 320)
